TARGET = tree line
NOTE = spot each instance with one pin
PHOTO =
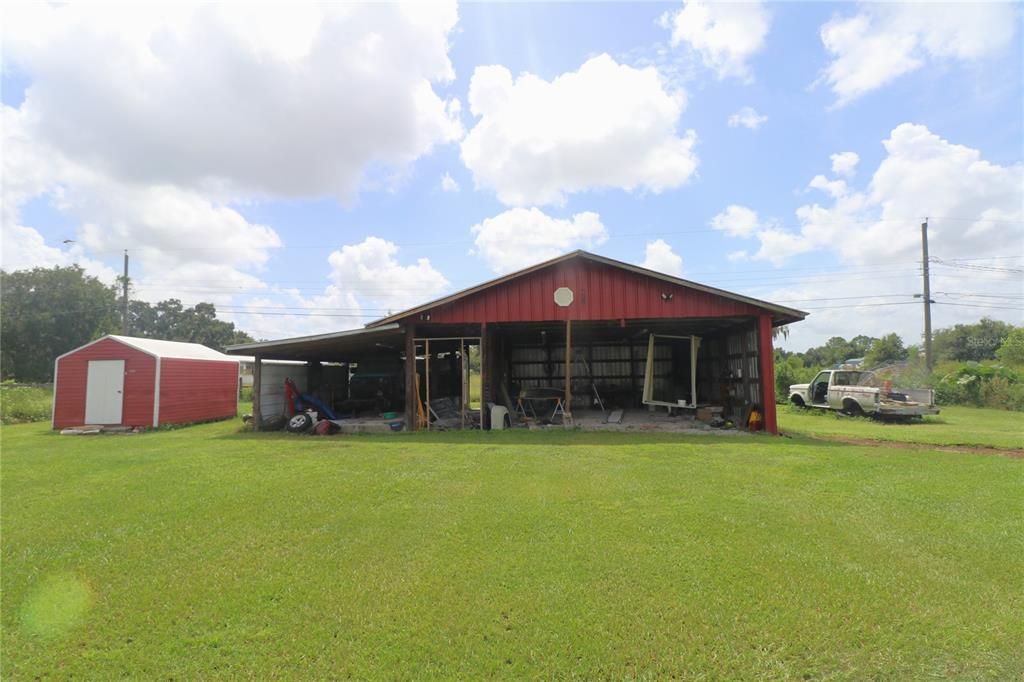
(977, 342)
(45, 312)
(978, 363)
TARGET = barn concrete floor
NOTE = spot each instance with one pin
(637, 419)
(634, 419)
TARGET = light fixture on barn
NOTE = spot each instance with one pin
(564, 297)
(666, 297)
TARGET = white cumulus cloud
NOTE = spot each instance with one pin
(520, 237)
(747, 117)
(737, 221)
(836, 188)
(659, 256)
(976, 207)
(448, 183)
(725, 34)
(370, 271)
(151, 126)
(367, 281)
(845, 163)
(606, 125)
(289, 101)
(884, 41)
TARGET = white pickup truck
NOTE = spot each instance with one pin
(856, 392)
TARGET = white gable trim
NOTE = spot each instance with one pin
(113, 338)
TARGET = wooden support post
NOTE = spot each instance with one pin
(694, 348)
(744, 367)
(766, 372)
(632, 374)
(410, 378)
(463, 382)
(426, 378)
(257, 386)
(485, 376)
(568, 367)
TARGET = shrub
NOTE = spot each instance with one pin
(25, 402)
(1012, 350)
(979, 385)
(999, 392)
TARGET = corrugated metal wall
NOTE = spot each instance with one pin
(609, 366)
(727, 369)
(272, 386)
(197, 390)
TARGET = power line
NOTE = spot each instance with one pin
(611, 235)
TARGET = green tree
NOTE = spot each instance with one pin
(1011, 352)
(860, 345)
(45, 312)
(887, 349)
(836, 351)
(172, 321)
(965, 342)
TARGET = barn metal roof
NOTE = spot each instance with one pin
(336, 344)
(172, 349)
(161, 349)
(783, 313)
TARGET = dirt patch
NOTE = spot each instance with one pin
(1014, 453)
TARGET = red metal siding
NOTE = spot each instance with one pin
(72, 372)
(197, 390)
(601, 292)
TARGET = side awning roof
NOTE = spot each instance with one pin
(342, 346)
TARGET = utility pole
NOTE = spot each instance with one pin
(124, 288)
(927, 295)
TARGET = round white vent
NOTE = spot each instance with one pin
(563, 296)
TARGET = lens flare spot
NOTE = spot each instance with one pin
(56, 605)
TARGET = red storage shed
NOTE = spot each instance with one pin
(128, 381)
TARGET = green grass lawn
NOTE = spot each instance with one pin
(206, 553)
(971, 426)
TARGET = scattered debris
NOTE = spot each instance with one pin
(93, 429)
(326, 427)
(82, 431)
(710, 414)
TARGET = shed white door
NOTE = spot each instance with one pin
(104, 392)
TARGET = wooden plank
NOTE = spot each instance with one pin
(632, 371)
(426, 371)
(485, 375)
(410, 378)
(463, 382)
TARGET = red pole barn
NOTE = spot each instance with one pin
(128, 381)
(581, 339)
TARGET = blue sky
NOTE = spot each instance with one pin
(297, 181)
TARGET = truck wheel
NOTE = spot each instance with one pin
(797, 401)
(852, 408)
